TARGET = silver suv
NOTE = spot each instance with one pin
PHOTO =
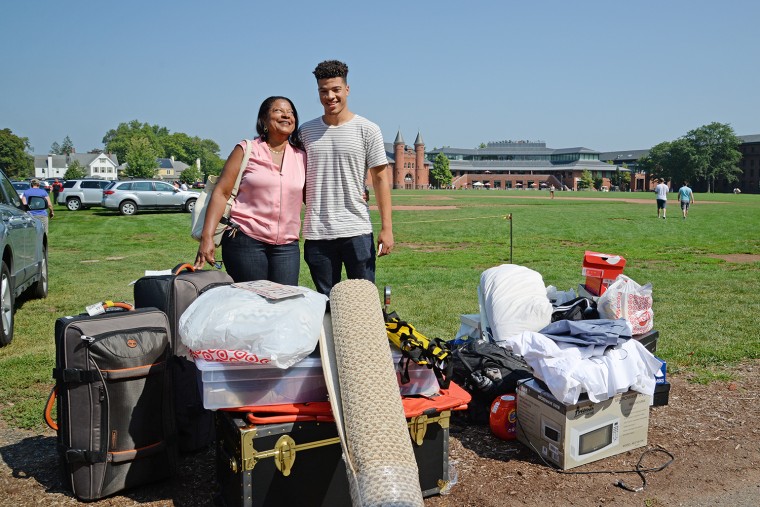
(79, 194)
(23, 244)
(129, 196)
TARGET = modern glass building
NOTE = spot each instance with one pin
(525, 165)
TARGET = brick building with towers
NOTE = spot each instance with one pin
(408, 164)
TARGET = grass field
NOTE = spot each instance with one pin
(706, 308)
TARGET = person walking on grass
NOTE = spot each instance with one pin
(341, 148)
(39, 214)
(661, 192)
(686, 196)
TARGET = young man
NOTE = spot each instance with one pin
(661, 191)
(686, 196)
(341, 147)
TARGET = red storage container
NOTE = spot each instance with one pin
(600, 270)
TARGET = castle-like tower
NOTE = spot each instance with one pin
(422, 179)
(409, 170)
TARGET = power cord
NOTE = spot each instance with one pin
(638, 469)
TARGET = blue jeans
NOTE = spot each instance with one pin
(247, 259)
(326, 257)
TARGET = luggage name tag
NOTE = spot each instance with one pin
(95, 309)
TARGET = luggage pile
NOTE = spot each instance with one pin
(131, 398)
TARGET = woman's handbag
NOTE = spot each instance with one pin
(201, 205)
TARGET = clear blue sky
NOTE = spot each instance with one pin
(606, 75)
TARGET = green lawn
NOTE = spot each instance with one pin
(705, 308)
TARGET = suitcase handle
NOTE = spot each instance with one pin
(119, 304)
(183, 266)
(287, 418)
(46, 414)
(296, 412)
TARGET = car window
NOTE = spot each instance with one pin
(90, 184)
(69, 184)
(11, 194)
(124, 186)
(142, 185)
(104, 184)
(164, 187)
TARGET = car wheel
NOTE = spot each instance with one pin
(128, 208)
(73, 204)
(6, 306)
(40, 289)
(190, 205)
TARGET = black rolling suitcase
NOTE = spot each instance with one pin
(114, 413)
(173, 293)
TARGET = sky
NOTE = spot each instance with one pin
(606, 75)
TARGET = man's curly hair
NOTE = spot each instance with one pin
(331, 68)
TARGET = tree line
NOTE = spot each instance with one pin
(138, 144)
(703, 156)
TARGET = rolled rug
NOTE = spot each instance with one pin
(381, 465)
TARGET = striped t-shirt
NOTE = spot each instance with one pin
(337, 161)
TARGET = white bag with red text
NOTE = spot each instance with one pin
(626, 299)
(234, 324)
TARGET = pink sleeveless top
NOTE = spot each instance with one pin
(268, 204)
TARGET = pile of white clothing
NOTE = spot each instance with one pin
(602, 372)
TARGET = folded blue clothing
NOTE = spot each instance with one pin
(588, 332)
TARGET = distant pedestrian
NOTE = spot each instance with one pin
(39, 214)
(57, 187)
(183, 187)
(661, 192)
(551, 191)
(686, 196)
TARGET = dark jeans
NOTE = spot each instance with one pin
(325, 258)
(247, 259)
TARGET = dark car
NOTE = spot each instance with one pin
(23, 243)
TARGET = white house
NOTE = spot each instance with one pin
(95, 165)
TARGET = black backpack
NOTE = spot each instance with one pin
(580, 308)
(486, 371)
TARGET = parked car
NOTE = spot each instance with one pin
(20, 186)
(44, 185)
(79, 194)
(129, 196)
(199, 184)
(23, 244)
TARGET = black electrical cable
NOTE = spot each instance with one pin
(636, 470)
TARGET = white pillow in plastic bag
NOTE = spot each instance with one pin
(514, 299)
(280, 332)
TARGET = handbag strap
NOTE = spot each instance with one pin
(243, 165)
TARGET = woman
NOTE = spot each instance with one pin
(262, 242)
(36, 191)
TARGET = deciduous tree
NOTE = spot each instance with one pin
(15, 162)
(441, 174)
(141, 158)
(586, 181)
(190, 175)
(716, 153)
(74, 171)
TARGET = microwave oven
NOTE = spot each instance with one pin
(586, 440)
(573, 435)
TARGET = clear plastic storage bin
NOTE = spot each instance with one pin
(231, 385)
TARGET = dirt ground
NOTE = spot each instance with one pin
(711, 431)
